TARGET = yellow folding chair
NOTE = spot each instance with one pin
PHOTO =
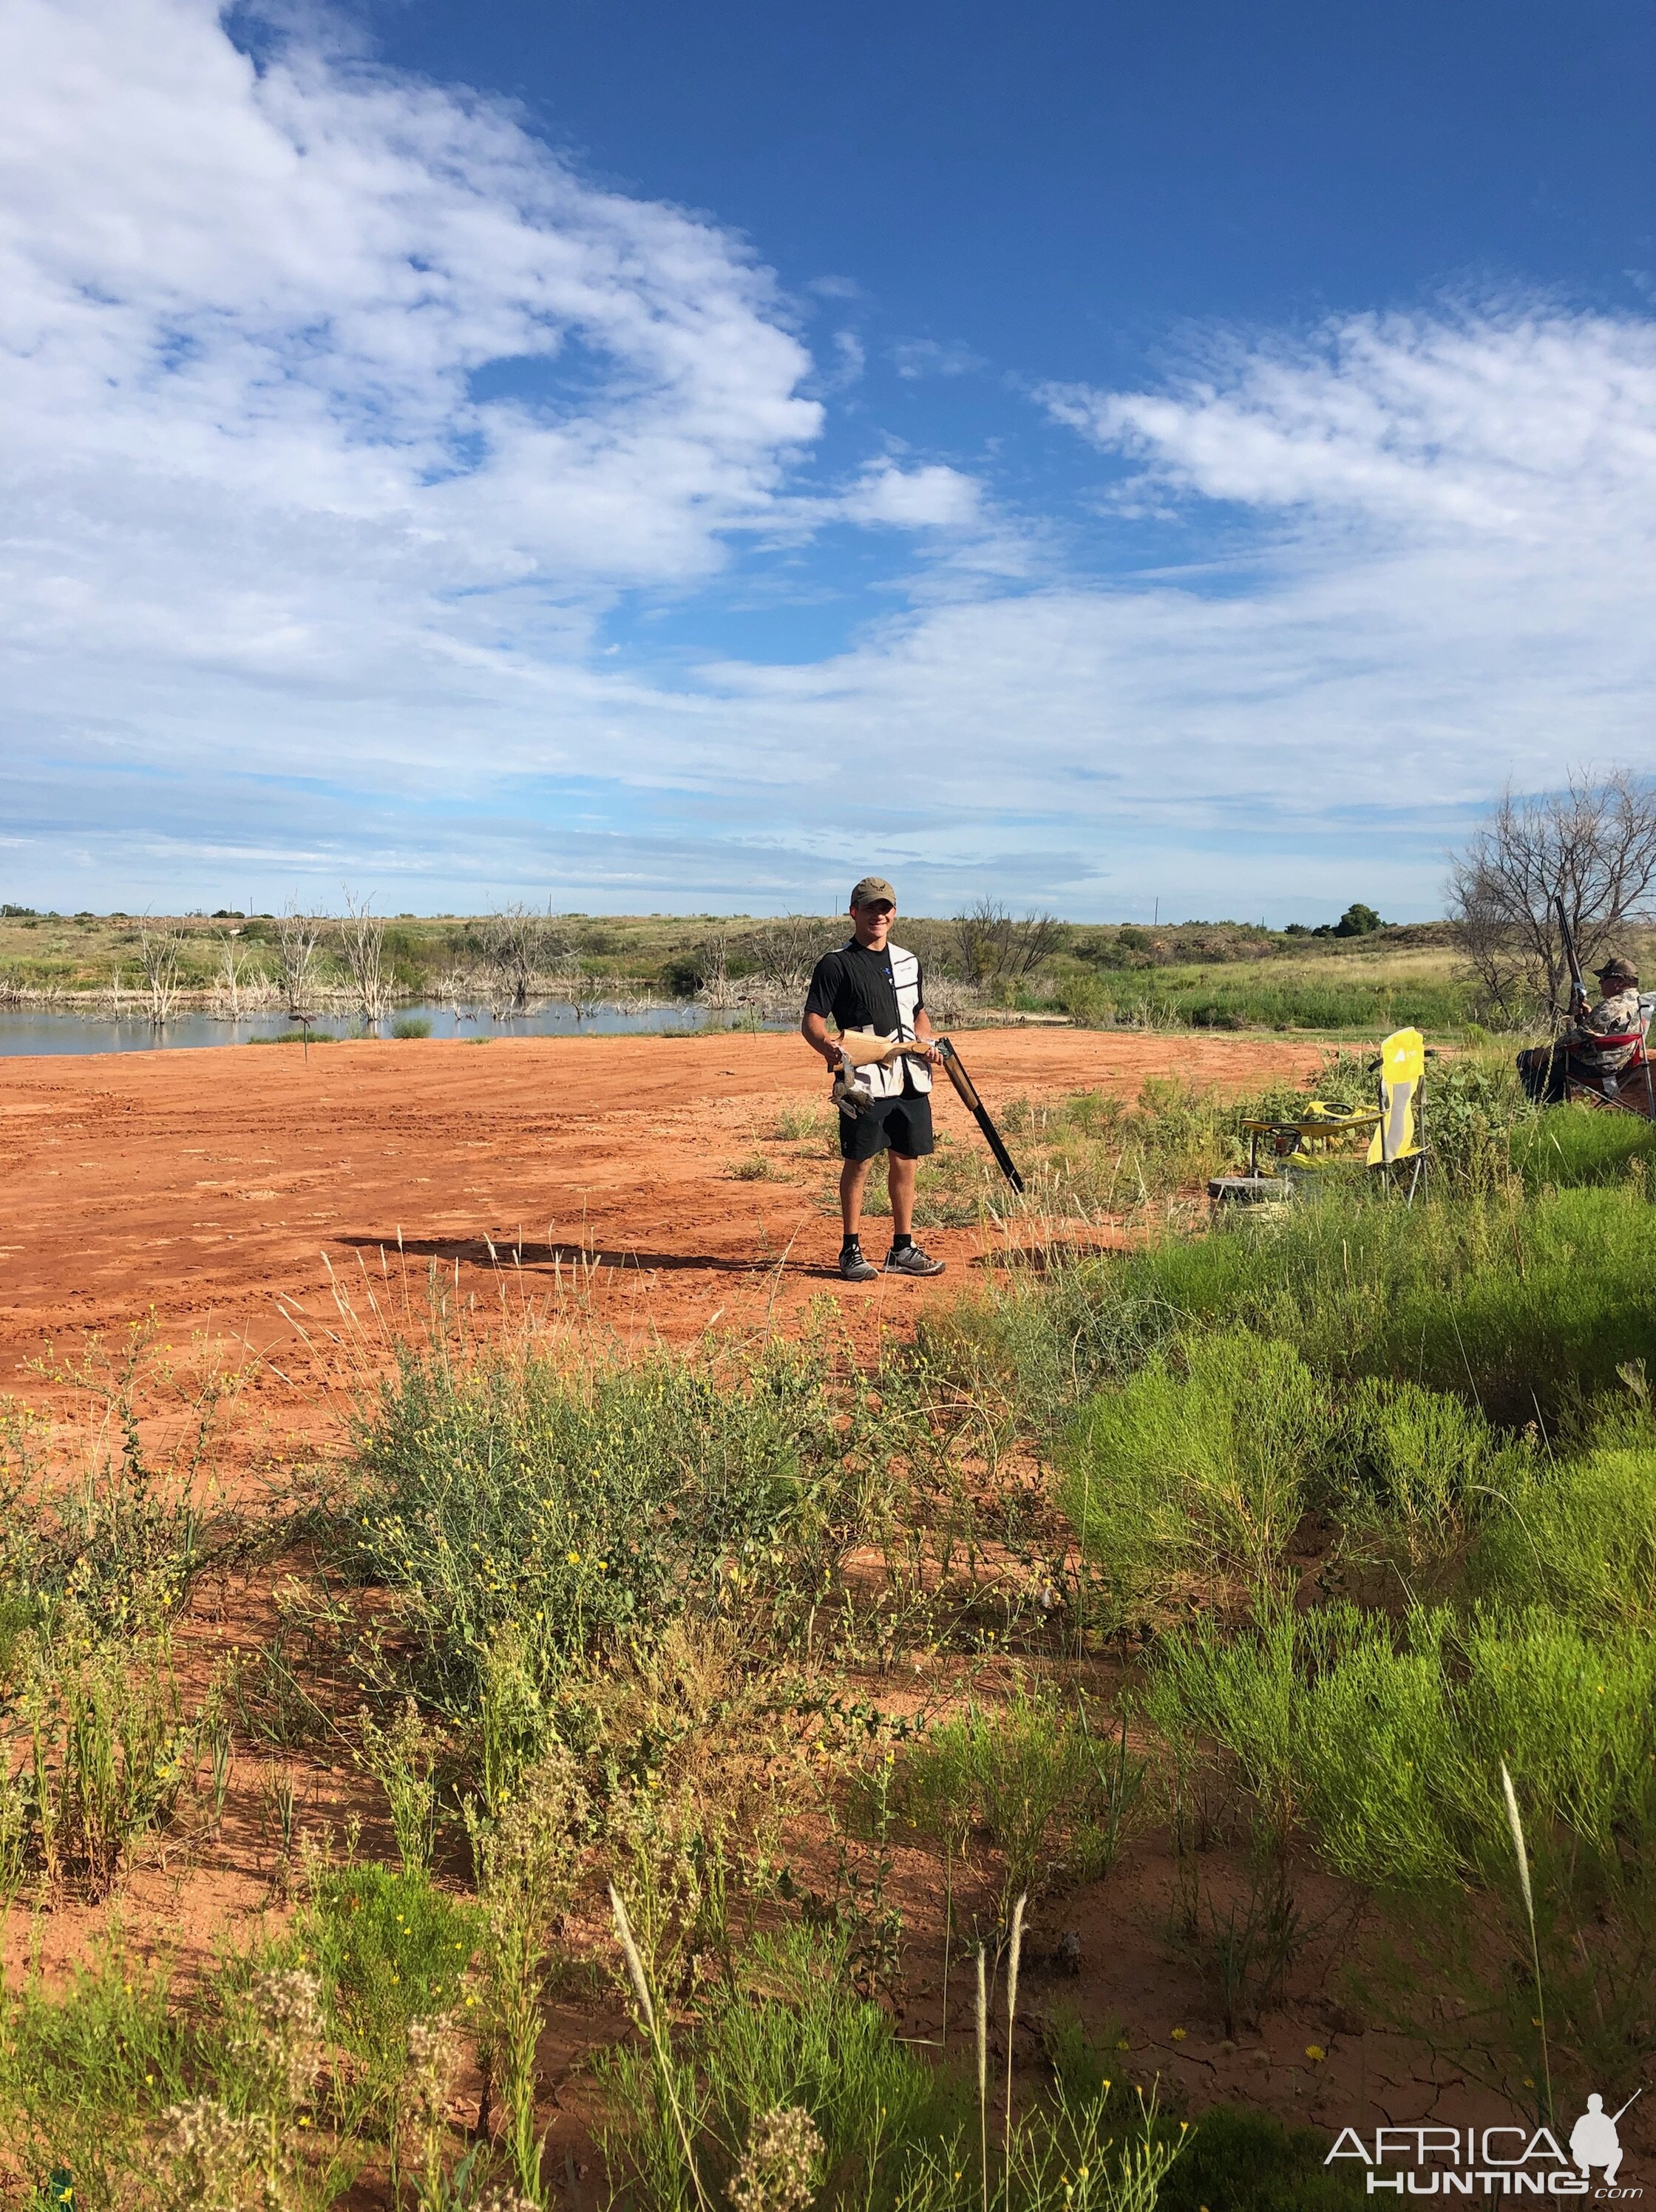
(1400, 1134)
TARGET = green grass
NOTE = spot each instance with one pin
(890, 2130)
(1194, 1474)
(391, 1949)
(1052, 1796)
(1521, 1308)
(1255, 999)
(296, 2052)
(1571, 1146)
(1385, 1740)
(1577, 1535)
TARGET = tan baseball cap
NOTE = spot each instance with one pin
(872, 888)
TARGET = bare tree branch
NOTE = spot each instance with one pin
(995, 952)
(1593, 846)
(298, 937)
(363, 940)
(160, 952)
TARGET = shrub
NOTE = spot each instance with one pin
(411, 1025)
(1195, 1472)
(1249, 2161)
(791, 2036)
(1519, 1307)
(1385, 1742)
(505, 1496)
(1579, 1537)
(389, 1949)
(1414, 1468)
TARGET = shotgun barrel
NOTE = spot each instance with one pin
(967, 1092)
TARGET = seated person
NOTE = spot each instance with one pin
(1577, 1050)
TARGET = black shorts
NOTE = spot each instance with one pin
(902, 1124)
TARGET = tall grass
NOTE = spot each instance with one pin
(1385, 1740)
(1053, 1798)
(890, 2130)
(1195, 1475)
(1270, 997)
(1519, 1306)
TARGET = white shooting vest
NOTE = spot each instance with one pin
(888, 1082)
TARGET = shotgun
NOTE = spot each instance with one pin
(966, 1091)
(862, 1048)
(1579, 1001)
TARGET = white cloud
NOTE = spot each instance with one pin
(917, 357)
(1480, 427)
(241, 313)
(336, 411)
(931, 498)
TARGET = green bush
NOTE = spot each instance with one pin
(1578, 1536)
(1195, 1473)
(1247, 2161)
(1414, 1468)
(887, 2129)
(411, 1025)
(391, 1949)
(1386, 1742)
(507, 1496)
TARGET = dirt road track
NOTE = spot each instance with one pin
(202, 1185)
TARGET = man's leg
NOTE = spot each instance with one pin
(906, 1257)
(853, 1181)
(900, 1173)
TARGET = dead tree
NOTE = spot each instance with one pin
(516, 945)
(299, 937)
(362, 941)
(232, 967)
(995, 952)
(785, 952)
(159, 956)
(1593, 846)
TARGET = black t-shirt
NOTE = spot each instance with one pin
(854, 987)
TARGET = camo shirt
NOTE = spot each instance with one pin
(1613, 1017)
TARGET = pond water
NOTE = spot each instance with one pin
(24, 1032)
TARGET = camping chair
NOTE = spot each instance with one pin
(1399, 1133)
(1326, 1137)
(1630, 1089)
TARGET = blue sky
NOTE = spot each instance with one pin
(647, 458)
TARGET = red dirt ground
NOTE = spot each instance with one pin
(202, 1186)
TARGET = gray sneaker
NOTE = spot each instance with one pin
(856, 1266)
(911, 1260)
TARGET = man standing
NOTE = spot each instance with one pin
(872, 984)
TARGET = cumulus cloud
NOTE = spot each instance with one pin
(301, 355)
(338, 413)
(930, 498)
